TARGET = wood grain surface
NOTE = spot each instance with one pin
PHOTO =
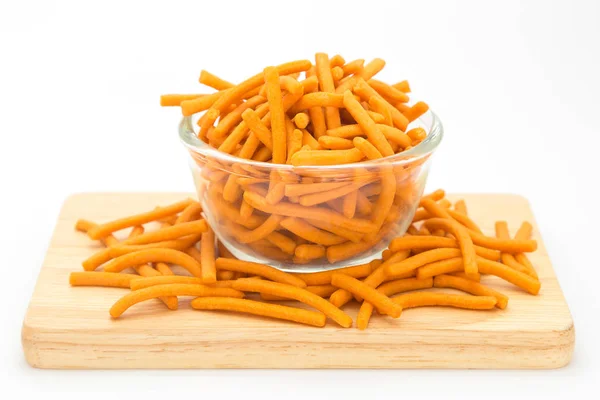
(69, 327)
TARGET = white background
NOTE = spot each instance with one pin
(515, 84)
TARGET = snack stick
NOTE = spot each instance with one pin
(235, 117)
(174, 289)
(343, 232)
(446, 266)
(105, 229)
(301, 189)
(365, 91)
(417, 134)
(431, 242)
(323, 70)
(326, 157)
(241, 131)
(105, 279)
(461, 207)
(310, 233)
(301, 120)
(508, 259)
(138, 283)
(369, 151)
(426, 299)
(309, 252)
(367, 124)
(318, 99)
(349, 204)
(263, 309)
(207, 253)
(379, 106)
(309, 140)
(434, 209)
(524, 233)
(254, 123)
(461, 274)
(193, 106)
(213, 81)
(387, 91)
(318, 198)
(310, 84)
(415, 111)
(389, 289)
(468, 286)
(395, 135)
(205, 126)
(524, 281)
(228, 212)
(346, 131)
(374, 279)
(463, 238)
(418, 260)
(337, 73)
(299, 294)
(172, 100)
(169, 233)
(363, 204)
(436, 195)
(317, 118)
(353, 67)
(290, 84)
(384, 202)
(335, 143)
(324, 278)
(366, 73)
(505, 245)
(154, 255)
(402, 86)
(191, 213)
(276, 192)
(276, 110)
(336, 61)
(370, 294)
(245, 209)
(260, 270)
(261, 232)
(84, 226)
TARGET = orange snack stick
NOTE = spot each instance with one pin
(310, 233)
(363, 204)
(301, 189)
(432, 242)
(335, 143)
(191, 213)
(290, 84)
(428, 299)
(388, 91)
(389, 289)
(349, 204)
(436, 195)
(461, 274)
(299, 294)
(353, 67)
(365, 91)
(261, 232)
(395, 135)
(138, 283)
(260, 270)
(263, 309)
(213, 81)
(175, 289)
(309, 251)
(374, 279)
(367, 124)
(276, 109)
(346, 250)
(154, 255)
(370, 294)
(508, 259)
(276, 192)
(207, 253)
(343, 232)
(324, 278)
(504, 245)
(177, 244)
(169, 233)
(418, 260)
(301, 120)
(105, 279)
(446, 266)
(416, 111)
(205, 127)
(245, 210)
(463, 238)
(402, 86)
(309, 140)
(417, 134)
(193, 106)
(84, 226)
(106, 229)
(261, 131)
(174, 100)
(228, 212)
(468, 286)
(379, 106)
(326, 157)
(347, 131)
(524, 233)
(318, 198)
(323, 70)
(461, 207)
(524, 281)
(337, 73)
(234, 117)
(366, 73)
(369, 151)
(318, 99)
(336, 61)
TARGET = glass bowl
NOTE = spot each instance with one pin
(297, 219)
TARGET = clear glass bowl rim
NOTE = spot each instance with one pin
(188, 137)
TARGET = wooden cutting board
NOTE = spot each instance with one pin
(69, 327)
